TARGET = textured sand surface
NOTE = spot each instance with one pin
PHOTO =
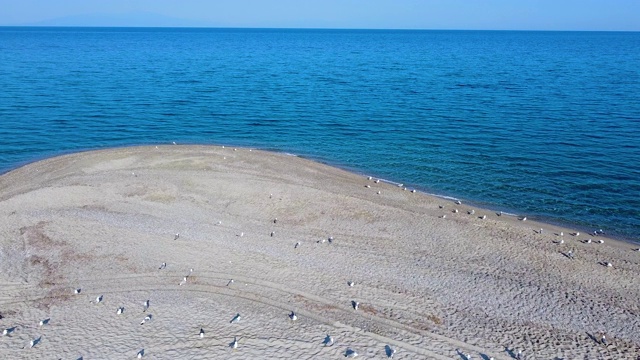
(428, 287)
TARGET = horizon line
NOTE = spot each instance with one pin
(298, 28)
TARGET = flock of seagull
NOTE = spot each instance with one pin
(328, 340)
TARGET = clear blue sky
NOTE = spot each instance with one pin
(366, 14)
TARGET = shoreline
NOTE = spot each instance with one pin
(544, 220)
(175, 224)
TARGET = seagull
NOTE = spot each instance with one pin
(369, 178)
(523, 218)
(350, 353)
(201, 333)
(34, 342)
(519, 355)
(561, 241)
(570, 254)
(561, 233)
(588, 241)
(608, 264)
(45, 321)
(377, 181)
(458, 202)
(600, 241)
(483, 217)
(330, 239)
(638, 249)
(540, 231)
(7, 331)
(146, 318)
(146, 306)
(603, 340)
(576, 234)
(162, 266)
(275, 220)
(471, 212)
(230, 282)
(297, 244)
(455, 211)
(77, 291)
(378, 192)
(293, 316)
(413, 191)
(355, 305)
(350, 283)
(141, 352)
(235, 319)
(400, 185)
(390, 351)
(272, 233)
(177, 236)
(240, 235)
(99, 299)
(499, 213)
(120, 310)
(443, 217)
(234, 343)
(440, 206)
(184, 281)
(328, 341)
(367, 186)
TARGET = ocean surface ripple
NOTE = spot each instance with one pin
(545, 124)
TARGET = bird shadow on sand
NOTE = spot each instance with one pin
(567, 255)
(388, 351)
(461, 354)
(510, 353)
(595, 340)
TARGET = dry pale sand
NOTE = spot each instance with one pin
(429, 287)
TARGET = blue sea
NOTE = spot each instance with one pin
(543, 124)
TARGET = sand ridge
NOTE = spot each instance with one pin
(429, 287)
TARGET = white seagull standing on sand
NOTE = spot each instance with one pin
(230, 282)
(350, 283)
(234, 343)
(483, 217)
(140, 354)
(162, 266)
(201, 333)
(34, 342)
(45, 321)
(7, 331)
(99, 299)
(77, 291)
(176, 236)
(146, 306)
(184, 281)
(293, 316)
(297, 244)
(350, 353)
(355, 305)
(120, 310)
(328, 341)
(146, 318)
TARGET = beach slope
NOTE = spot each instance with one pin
(206, 233)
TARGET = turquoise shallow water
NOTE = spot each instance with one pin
(545, 124)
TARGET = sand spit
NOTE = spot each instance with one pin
(295, 236)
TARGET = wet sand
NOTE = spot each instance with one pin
(428, 287)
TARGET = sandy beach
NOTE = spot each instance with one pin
(431, 280)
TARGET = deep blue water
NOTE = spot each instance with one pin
(545, 124)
